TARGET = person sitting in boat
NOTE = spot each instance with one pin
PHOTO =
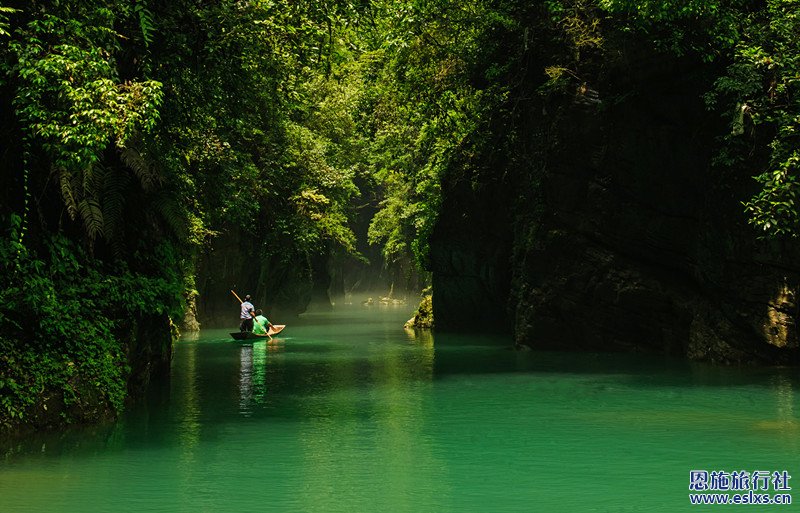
(262, 324)
(247, 315)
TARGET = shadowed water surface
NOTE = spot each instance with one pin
(347, 412)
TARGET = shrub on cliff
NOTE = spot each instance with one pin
(62, 331)
(424, 316)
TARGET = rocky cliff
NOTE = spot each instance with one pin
(616, 232)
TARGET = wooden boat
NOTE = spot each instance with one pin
(249, 335)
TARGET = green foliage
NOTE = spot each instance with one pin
(72, 104)
(70, 96)
(775, 207)
(761, 93)
(4, 26)
(424, 114)
(427, 112)
(704, 27)
(145, 21)
(70, 315)
(321, 194)
(578, 22)
(257, 134)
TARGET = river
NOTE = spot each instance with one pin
(347, 412)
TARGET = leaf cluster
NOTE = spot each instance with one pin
(62, 327)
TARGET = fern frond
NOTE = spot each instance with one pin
(92, 180)
(173, 215)
(144, 172)
(92, 216)
(118, 247)
(115, 186)
(68, 191)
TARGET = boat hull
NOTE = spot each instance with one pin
(249, 335)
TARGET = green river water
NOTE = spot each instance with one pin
(347, 412)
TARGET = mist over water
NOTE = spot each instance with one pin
(346, 411)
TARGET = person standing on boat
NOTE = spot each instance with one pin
(247, 315)
(262, 325)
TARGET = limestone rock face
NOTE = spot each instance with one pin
(611, 230)
(470, 256)
(190, 322)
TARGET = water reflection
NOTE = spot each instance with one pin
(385, 417)
(253, 363)
(245, 380)
(784, 393)
(785, 424)
(188, 415)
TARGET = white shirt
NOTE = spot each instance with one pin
(247, 307)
